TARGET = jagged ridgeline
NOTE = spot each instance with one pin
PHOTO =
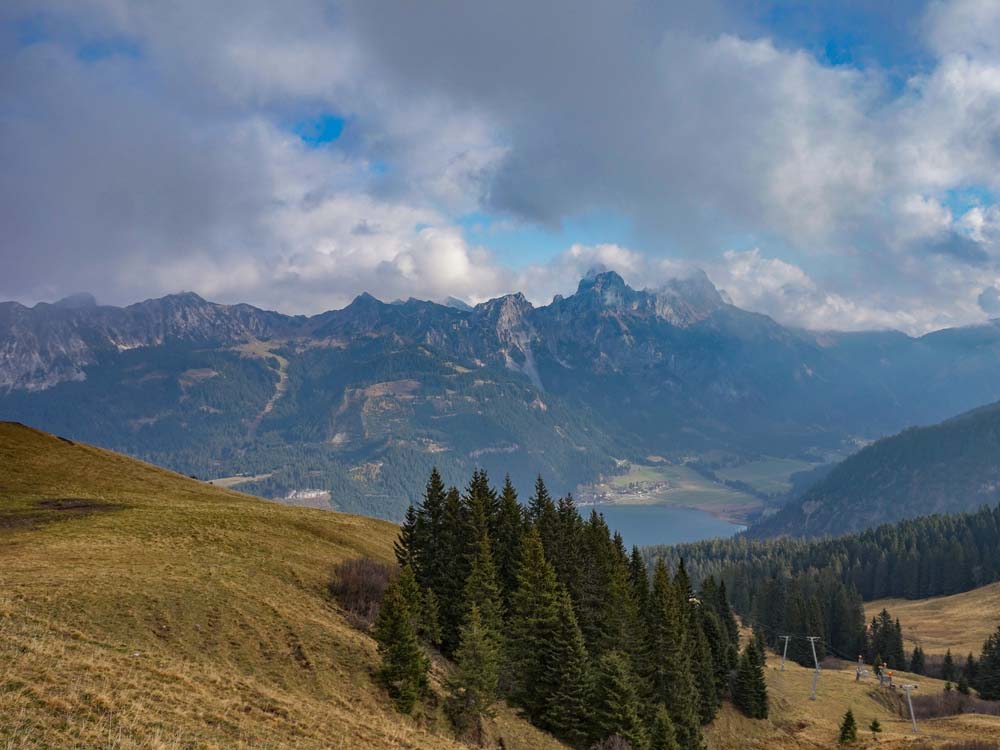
(803, 587)
(548, 609)
(351, 408)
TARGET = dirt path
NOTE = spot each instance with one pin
(264, 350)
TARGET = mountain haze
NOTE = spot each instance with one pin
(352, 407)
(945, 468)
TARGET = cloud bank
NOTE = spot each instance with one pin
(149, 148)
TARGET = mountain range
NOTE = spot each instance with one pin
(350, 408)
(944, 468)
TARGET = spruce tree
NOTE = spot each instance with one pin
(565, 551)
(450, 575)
(404, 666)
(750, 687)
(480, 508)
(407, 543)
(472, 690)
(566, 676)
(875, 727)
(704, 673)
(542, 515)
(424, 542)
(969, 670)
(848, 729)
(760, 643)
(988, 670)
(670, 676)
(421, 604)
(662, 735)
(727, 617)
(482, 591)
(533, 615)
(948, 667)
(722, 653)
(917, 660)
(615, 706)
(510, 528)
(430, 624)
(639, 578)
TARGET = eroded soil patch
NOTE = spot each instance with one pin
(32, 515)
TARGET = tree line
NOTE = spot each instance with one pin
(816, 587)
(550, 611)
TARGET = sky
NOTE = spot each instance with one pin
(833, 164)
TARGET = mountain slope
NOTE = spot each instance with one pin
(948, 467)
(141, 609)
(931, 623)
(352, 407)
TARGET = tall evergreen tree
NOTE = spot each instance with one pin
(970, 669)
(596, 560)
(472, 690)
(421, 604)
(566, 676)
(407, 543)
(948, 667)
(565, 548)
(404, 666)
(987, 679)
(662, 736)
(703, 669)
(482, 591)
(639, 578)
(541, 514)
(615, 707)
(917, 665)
(533, 619)
(452, 572)
(750, 687)
(481, 508)
(670, 677)
(760, 644)
(510, 527)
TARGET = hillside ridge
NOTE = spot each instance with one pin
(162, 613)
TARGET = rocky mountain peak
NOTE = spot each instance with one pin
(687, 300)
(81, 301)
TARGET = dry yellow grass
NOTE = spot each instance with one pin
(164, 613)
(960, 622)
(797, 723)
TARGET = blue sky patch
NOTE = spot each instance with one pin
(320, 131)
(523, 244)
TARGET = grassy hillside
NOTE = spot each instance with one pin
(960, 622)
(141, 609)
(946, 468)
(799, 723)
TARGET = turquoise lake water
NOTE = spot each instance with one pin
(662, 524)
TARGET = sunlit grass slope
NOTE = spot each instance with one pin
(960, 622)
(798, 723)
(142, 609)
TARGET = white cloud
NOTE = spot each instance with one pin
(174, 168)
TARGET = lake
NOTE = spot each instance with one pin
(662, 524)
